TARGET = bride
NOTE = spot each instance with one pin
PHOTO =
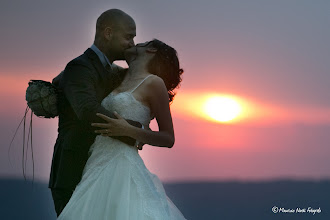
(116, 184)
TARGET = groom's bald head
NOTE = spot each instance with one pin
(113, 18)
(115, 31)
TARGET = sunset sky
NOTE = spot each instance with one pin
(271, 57)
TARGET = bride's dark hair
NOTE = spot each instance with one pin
(165, 64)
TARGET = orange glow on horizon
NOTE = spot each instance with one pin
(192, 105)
(188, 105)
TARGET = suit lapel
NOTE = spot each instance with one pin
(108, 77)
(97, 63)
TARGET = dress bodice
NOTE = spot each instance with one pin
(128, 107)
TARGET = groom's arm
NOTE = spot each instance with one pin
(78, 85)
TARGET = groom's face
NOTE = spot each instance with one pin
(123, 39)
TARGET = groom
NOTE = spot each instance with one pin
(84, 83)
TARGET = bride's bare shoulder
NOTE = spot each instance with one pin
(155, 81)
(156, 88)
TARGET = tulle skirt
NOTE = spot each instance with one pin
(116, 185)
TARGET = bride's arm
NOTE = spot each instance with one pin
(159, 103)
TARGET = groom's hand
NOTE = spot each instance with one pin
(112, 127)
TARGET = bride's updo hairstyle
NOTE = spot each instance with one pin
(165, 64)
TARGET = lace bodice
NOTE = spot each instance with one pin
(128, 107)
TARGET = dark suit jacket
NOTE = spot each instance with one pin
(82, 86)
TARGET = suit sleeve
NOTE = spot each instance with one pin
(78, 85)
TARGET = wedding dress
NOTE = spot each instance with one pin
(116, 185)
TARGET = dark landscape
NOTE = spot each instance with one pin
(197, 200)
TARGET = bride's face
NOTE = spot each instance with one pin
(135, 52)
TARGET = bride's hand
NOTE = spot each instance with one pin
(113, 127)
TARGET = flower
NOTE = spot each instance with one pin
(44, 92)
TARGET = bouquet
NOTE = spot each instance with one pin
(41, 97)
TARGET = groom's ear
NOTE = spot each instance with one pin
(108, 32)
(151, 50)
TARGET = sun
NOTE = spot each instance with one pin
(222, 109)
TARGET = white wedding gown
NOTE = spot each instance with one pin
(116, 185)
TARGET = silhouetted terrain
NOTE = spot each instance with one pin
(205, 200)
